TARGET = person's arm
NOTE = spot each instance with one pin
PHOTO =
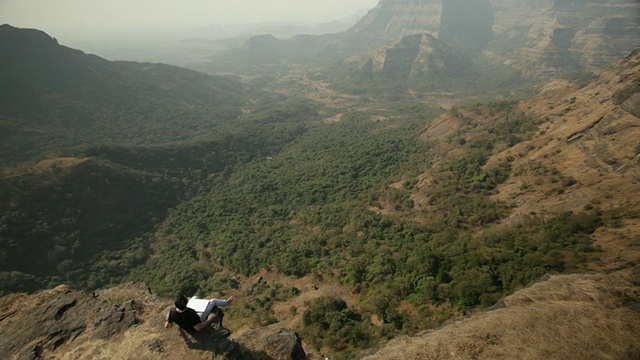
(202, 325)
(167, 324)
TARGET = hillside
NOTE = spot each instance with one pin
(94, 154)
(124, 322)
(52, 97)
(585, 316)
(422, 64)
(563, 317)
(584, 156)
(86, 222)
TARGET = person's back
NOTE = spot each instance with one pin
(186, 319)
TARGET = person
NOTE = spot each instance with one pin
(192, 320)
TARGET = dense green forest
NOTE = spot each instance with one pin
(309, 210)
(90, 219)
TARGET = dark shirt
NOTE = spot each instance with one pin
(186, 319)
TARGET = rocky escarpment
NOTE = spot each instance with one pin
(393, 19)
(488, 45)
(34, 327)
(543, 38)
(124, 322)
(416, 58)
(540, 38)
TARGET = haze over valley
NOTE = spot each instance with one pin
(418, 180)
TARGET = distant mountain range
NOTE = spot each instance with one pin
(537, 39)
(50, 94)
(34, 64)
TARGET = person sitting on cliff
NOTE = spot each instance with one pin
(196, 314)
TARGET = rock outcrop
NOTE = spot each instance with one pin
(414, 60)
(282, 344)
(415, 54)
(543, 38)
(124, 322)
(538, 38)
(393, 19)
(34, 327)
(487, 44)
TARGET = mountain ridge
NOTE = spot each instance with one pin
(52, 96)
(540, 40)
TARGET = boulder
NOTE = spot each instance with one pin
(281, 344)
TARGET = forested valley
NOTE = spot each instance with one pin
(192, 183)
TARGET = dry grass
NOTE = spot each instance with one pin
(565, 317)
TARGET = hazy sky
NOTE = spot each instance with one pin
(133, 15)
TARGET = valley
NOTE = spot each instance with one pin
(424, 185)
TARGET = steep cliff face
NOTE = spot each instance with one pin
(543, 38)
(466, 24)
(393, 19)
(416, 55)
(417, 62)
(540, 38)
(423, 63)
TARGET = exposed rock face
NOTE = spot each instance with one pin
(34, 327)
(416, 58)
(283, 344)
(393, 19)
(545, 37)
(541, 38)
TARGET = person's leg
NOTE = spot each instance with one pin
(201, 306)
(207, 310)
